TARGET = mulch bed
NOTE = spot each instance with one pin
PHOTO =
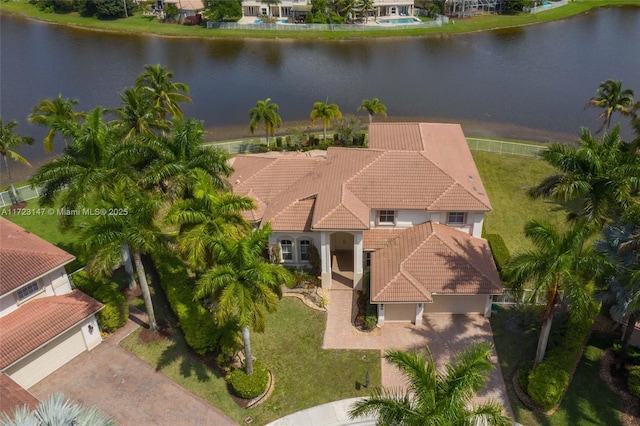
(630, 408)
(164, 332)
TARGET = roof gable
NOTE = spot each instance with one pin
(25, 256)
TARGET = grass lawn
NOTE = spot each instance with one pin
(507, 179)
(588, 400)
(305, 374)
(147, 24)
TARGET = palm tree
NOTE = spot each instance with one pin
(57, 410)
(611, 98)
(128, 216)
(59, 116)
(366, 7)
(8, 142)
(603, 174)
(373, 107)
(559, 263)
(165, 94)
(137, 115)
(436, 398)
(243, 285)
(267, 113)
(205, 219)
(325, 112)
(348, 8)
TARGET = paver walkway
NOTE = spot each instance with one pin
(444, 334)
(127, 389)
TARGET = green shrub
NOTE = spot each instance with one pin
(197, 324)
(116, 309)
(314, 260)
(248, 387)
(524, 370)
(279, 141)
(499, 250)
(633, 382)
(547, 384)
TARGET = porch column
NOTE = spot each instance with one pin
(357, 261)
(487, 306)
(380, 315)
(419, 312)
(477, 225)
(325, 257)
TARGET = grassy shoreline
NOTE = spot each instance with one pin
(145, 25)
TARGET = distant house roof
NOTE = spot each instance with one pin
(195, 5)
(39, 321)
(421, 166)
(14, 396)
(427, 259)
(25, 256)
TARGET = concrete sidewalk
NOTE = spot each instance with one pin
(330, 414)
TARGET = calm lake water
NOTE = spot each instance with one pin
(530, 82)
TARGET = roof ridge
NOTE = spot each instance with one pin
(381, 153)
(26, 250)
(288, 206)
(273, 161)
(415, 282)
(343, 203)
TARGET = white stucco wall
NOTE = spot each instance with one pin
(295, 238)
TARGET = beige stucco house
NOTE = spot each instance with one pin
(291, 8)
(409, 209)
(44, 323)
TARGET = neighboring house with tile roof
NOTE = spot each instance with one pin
(409, 208)
(43, 322)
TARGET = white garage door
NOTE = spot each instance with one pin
(48, 358)
(405, 312)
(457, 304)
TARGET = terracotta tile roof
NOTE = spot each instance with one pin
(14, 396)
(25, 257)
(408, 166)
(432, 258)
(195, 5)
(40, 320)
(295, 217)
(377, 238)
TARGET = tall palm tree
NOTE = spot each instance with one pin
(137, 115)
(57, 410)
(348, 8)
(366, 7)
(434, 398)
(244, 285)
(205, 219)
(325, 112)
(128, 216)
(8, 142)
(267, 113)
(166, 95)
(373, 107)
(57, 114)
(559, 263)
(603, 174)
(611, 98)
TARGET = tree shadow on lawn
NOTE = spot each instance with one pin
(190, 364)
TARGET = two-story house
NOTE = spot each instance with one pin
(409, 209)
(44, 323)
(295, 8)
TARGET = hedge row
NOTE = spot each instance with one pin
(116, 309)
(194, 320)
(499, 250)
(548, 382)
(248, 387)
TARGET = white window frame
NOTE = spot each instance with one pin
(367, 258)
(27, 291)
(456, 222)
(304, 251)
(386, 213)
(286, 242)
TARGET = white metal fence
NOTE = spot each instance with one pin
(509, 297)
(322, 27)
(24, 193)
(548, 6)
(503, 147)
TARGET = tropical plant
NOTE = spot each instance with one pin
(373, 107)
(325, 112)
(57, 410)
(366, 7)
(349, 8)
(432, 397)
(8, 142)
(347, 128)
(243, 285)
(560, 266)
(137, 115)
(267, 113)
(57, 114)
(205, 219)
(603, 174)
(611, 98)
(166, 95)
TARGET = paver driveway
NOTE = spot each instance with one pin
(444, 334)
(127, 389)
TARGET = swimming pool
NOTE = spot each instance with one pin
(258, 21)
(282, 21)
(397, 21)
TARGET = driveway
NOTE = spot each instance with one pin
(127, 389)
(444, 334)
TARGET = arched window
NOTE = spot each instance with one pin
(304, 250)
(286, 250)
